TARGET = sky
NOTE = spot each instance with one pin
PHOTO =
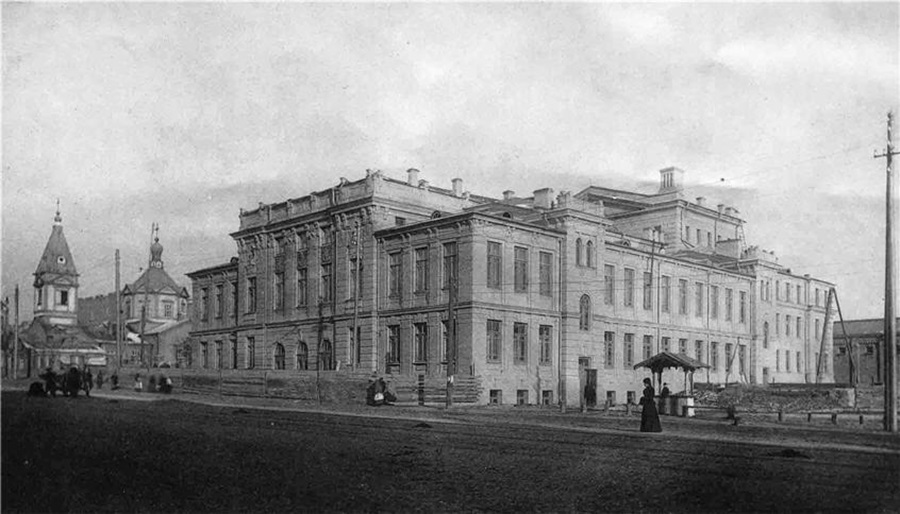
(182, 114)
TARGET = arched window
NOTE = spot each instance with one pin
(579, 249)
(584, 313)
(188, 354)
(326, 356)
(302, 356)
(279, 356)
(589, 254)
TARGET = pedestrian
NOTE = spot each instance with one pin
(88, 382)
(664, 399)
(50, 378)
(138, 383)
(100, 379)
(114, 380)
(649, 416)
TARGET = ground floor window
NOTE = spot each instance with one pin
(522, 397)
(302, 356)
(495, 397)
(279, 356)
(547, 397)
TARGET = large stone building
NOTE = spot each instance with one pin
(552, 295)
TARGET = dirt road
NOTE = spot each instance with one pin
(100, 455)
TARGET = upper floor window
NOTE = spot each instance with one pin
(698, 299)
(494, 265)
(279, 291)
(493, 340)
(609, 284)
(395, 273)
(729, 304)
(584, 313)
(168, 309)
(251, 294)
(579, 252)
(648, 291)
(421, 348)
(546, 274)
(234, 298)
(204, 304)
(546, 342)
(520, 343)
(589, 254)
(743, 307)
(327, 282)
(520, 265)
(714, 302)
(629, 287)
(421, 279)
(219, 301)
(393, 344)
(450, 263)
(666, 293)
(682, 296)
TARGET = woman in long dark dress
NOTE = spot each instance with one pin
(649, 416)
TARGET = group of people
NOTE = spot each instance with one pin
(377, 394)
(69, 383)
(158, 384)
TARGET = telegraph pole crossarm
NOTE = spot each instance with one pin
(890, 320)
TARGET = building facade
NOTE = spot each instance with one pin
(548, 298)
(859, 352)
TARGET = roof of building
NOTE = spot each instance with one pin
(156, 327)
(47, 336)
(861, 327)
(664, 360)
(56, 259)
(159, 282)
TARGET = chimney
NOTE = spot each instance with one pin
(508, 194)
(721, 207)
(543, 198)
(729, 211)
(457, 186)
(670, 179)
(423, 184)
(412, 177)
(701, 201)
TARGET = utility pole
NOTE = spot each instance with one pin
(451, 329)
(354, 344)
(146, 296)
(118, 316)
(319, 349)
(890, 320)
(16, 338)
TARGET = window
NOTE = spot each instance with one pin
(188, 353)
(729, 356)
(714, 302)
(742, 358)
(494, 265)
(421, 270)
(699, 234)
(609, 343)
(63, 297)
(778, 324)
(666, 293)
(817, 329)
(521, 396)
(169, 308)
(743, 311)
(444, 350)
(687, 233)
(799, 327)
(682, 296)
(709, 239)
(777, 290)
(714, 356)
(393, 344)
(279, 246)
(234, 298)
(766, 334)
(787, 325)
(667, 344)
(279, 356)
(520, 343)
(729, 304)
(698, 299)
(799, 370)
(495, 397)
(818, 299)
(279, 291)
(648, 291)
(546, 273)
(327, 282)
(493, 340)
(251, 294)
(589, 254)
(217, 305)
(520, 263)
(40, 297)
(787, 360)
(787, 292)
(610, 398)
(628, 355)
(302, 356)
(546, 342)
(777, 360)
(302, 288)
(398, 221)
(648, 347)
(357, 344)
(584, 313)
(609, 284)
(450, 267)
(546, 397)
(630, 397)
(204, 354)
(799, 294)
(326, 355)
(579, 251)
(394, 273)
(251, 352)
(682, 346)
(698, 350)
(421, 334)
(234, 354)
(355, 271)
(204, 304)
(629, 287)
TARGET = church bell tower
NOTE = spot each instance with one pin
(56, 280)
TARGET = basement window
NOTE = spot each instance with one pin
(547, 397)
(495, 397)
(610, 398)
(522, 397)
